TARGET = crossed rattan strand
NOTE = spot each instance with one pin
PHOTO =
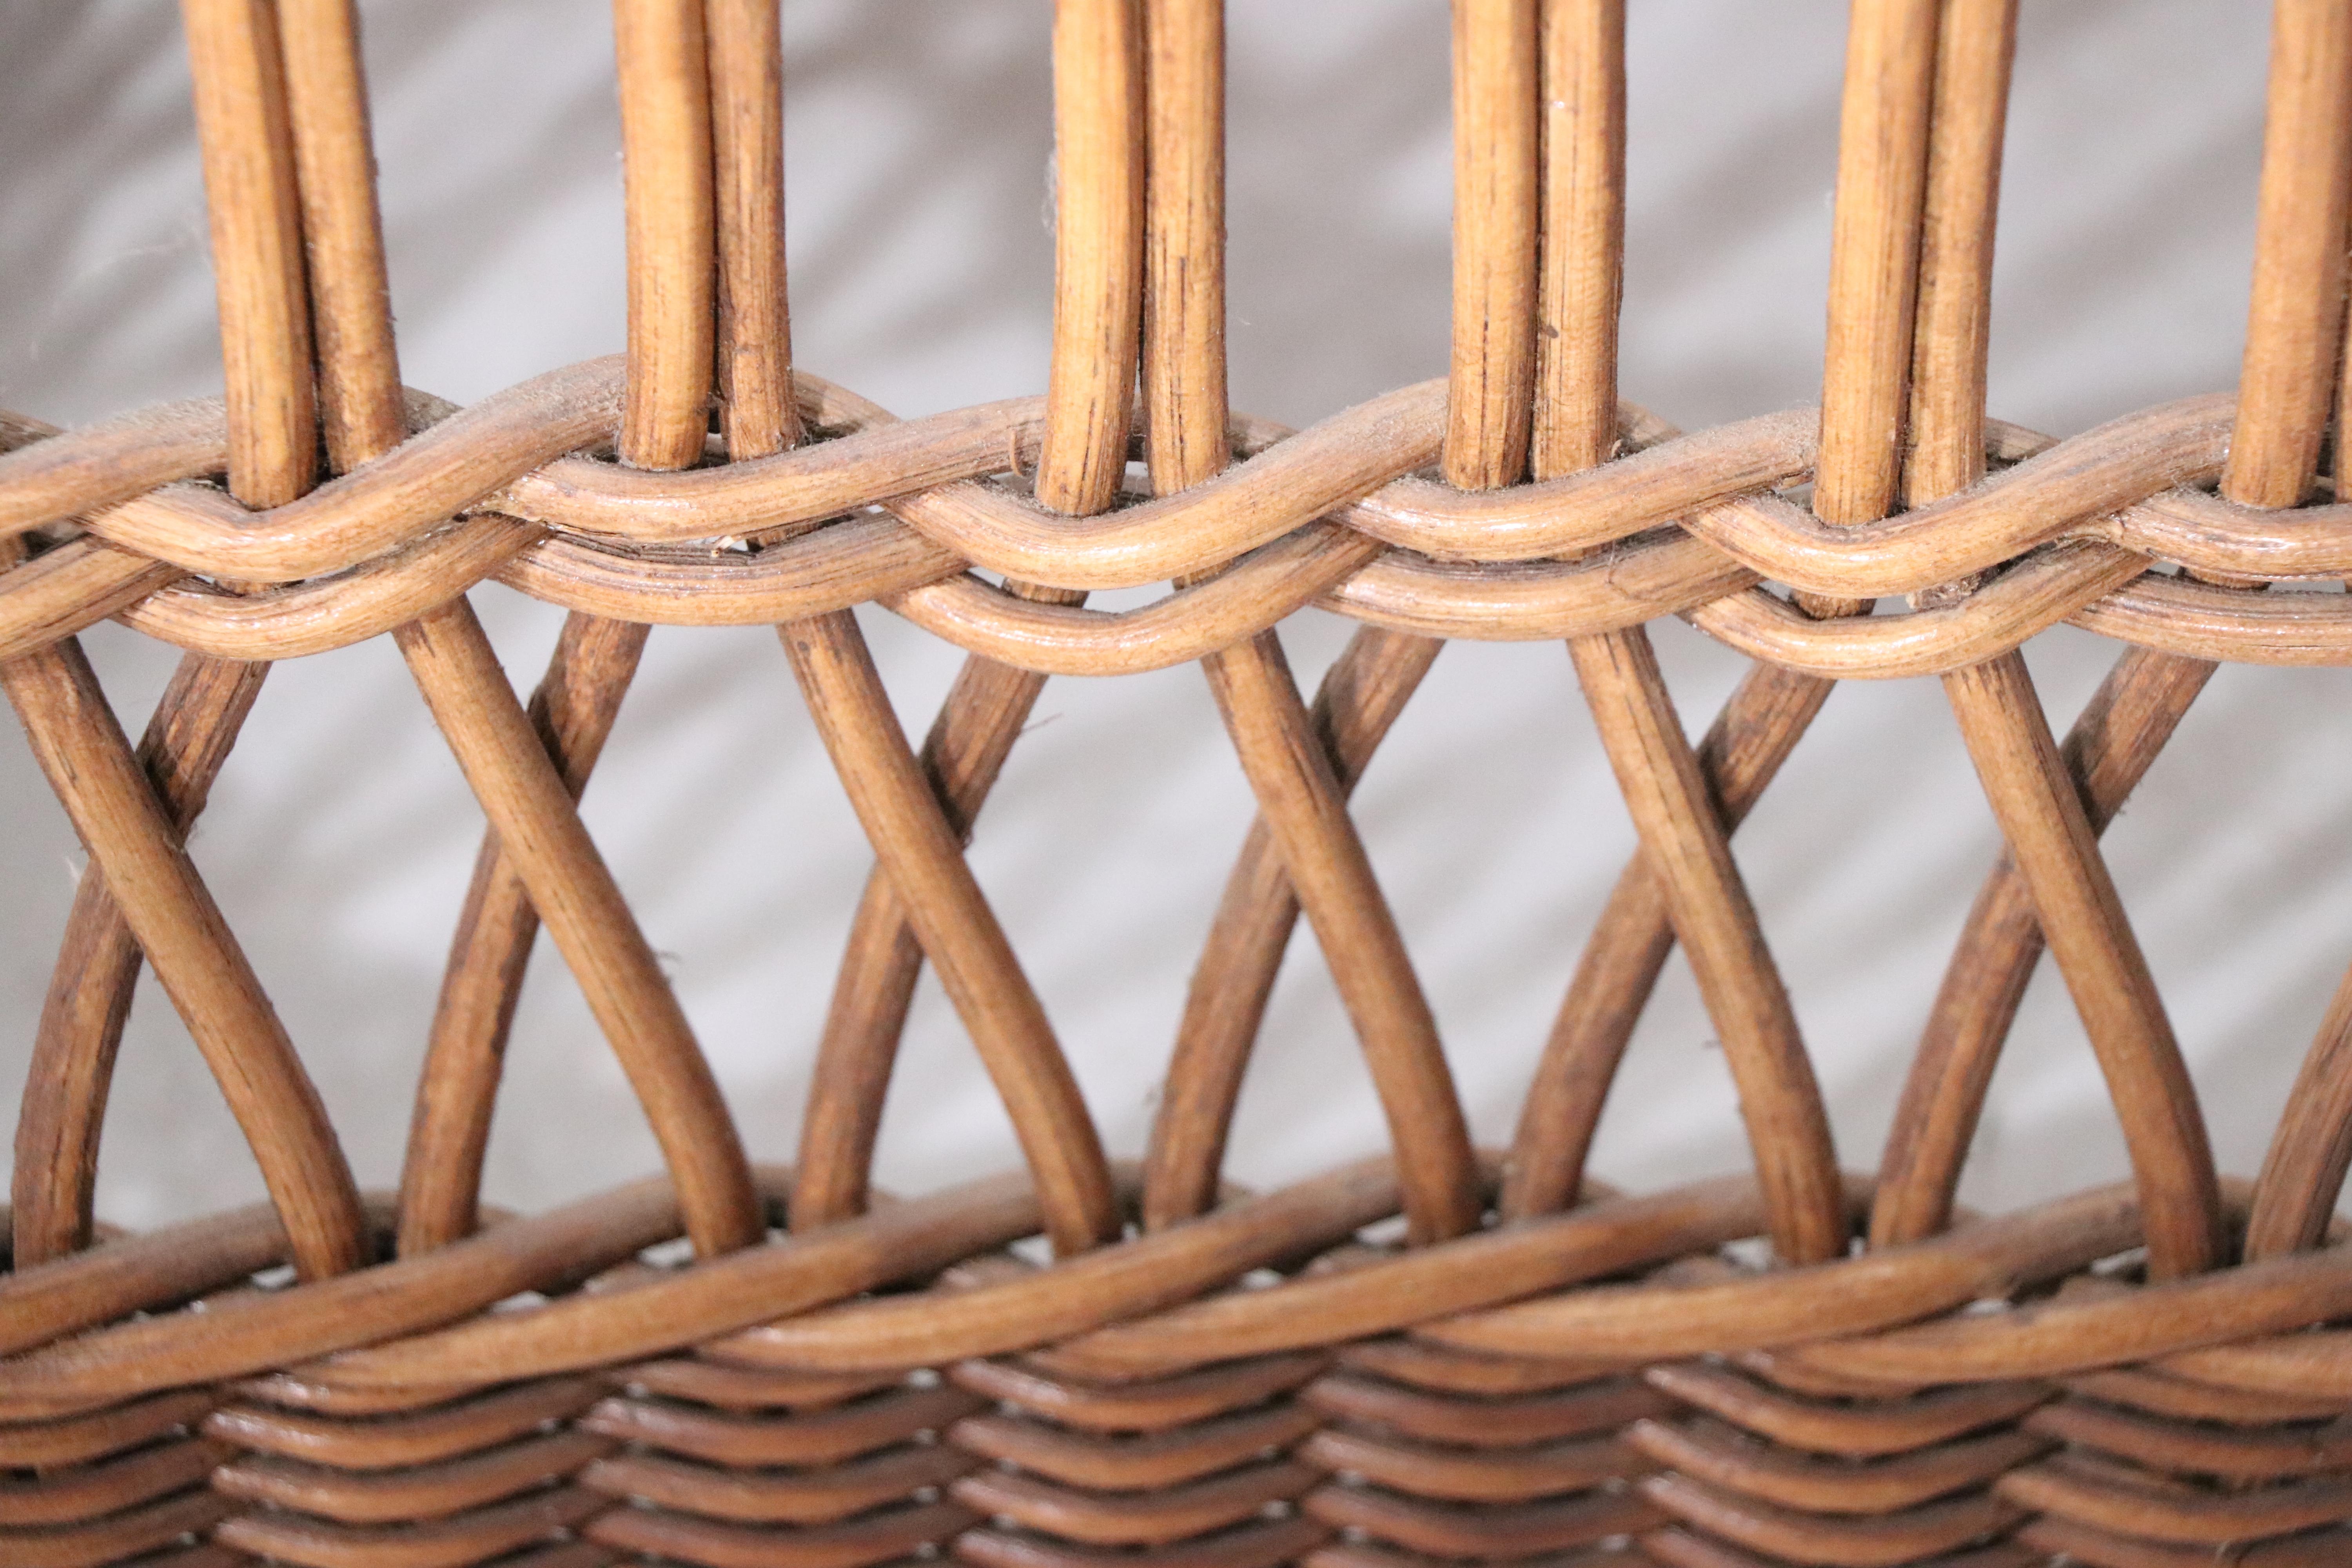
(667, 140)
(1300, 800)
(145, 890)
(2037, 804)
(1683, 838)
(420, 455)
(1092, 369)
(2273, 453)
(1097, 300)
(522, 791)
(459, 676)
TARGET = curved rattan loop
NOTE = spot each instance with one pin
(985, 714)
(2110, 747)
(188, 740)
(1363, 693)
(573, 714)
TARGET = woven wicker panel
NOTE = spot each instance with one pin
(1441, 1355)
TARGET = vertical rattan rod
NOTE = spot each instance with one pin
(1951, 329)
(360, 405)
(758, 414)
(1185, 409)
(1873, 256)
(2294, 339)
(2294, 317)
(666, 137)
(1098, 252)
(1490, 381)
(1582, 254)
(257, 241)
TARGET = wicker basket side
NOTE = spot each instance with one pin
(1792, 1367)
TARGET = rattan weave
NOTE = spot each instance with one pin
(1800, 1367)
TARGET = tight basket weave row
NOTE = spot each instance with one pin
(1798, 1366)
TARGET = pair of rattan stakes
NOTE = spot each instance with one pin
(1544, 1371)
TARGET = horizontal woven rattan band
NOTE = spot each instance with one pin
(1439, 1355)
(1688, 527)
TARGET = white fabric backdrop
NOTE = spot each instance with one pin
(341, 837)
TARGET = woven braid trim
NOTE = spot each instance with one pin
(1150, 1306)
(902, 512)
